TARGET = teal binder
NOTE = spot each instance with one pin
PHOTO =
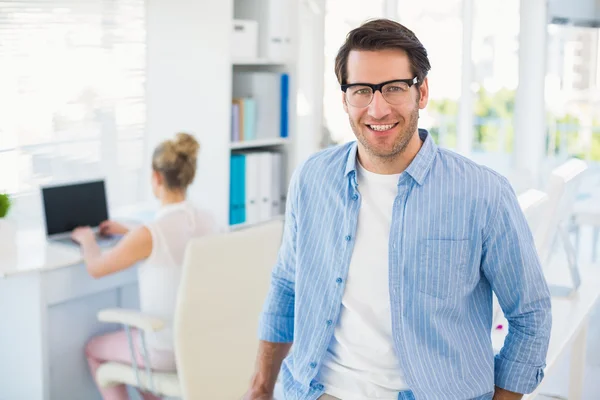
(237, 189)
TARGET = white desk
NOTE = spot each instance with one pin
(48, 307)
(569, 328)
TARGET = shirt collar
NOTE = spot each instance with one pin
(418, 168)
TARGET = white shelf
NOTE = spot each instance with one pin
(245, 225)
(250, 144)
(259, 61)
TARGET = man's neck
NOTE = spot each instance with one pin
(392, 165)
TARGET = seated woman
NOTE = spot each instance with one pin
(161, 244)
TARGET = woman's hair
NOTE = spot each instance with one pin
(175, 160)
(383, 34)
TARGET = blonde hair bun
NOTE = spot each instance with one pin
(175, 159)
(185, 144)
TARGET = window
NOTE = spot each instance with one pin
(438, 25)
(72, 94)
(572, 92)
(341, 17)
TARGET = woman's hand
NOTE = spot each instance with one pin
(110, 228)
(83, 235)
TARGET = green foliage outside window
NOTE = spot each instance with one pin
(494, 126)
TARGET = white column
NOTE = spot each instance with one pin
(465, 107)
(530, 120)
(188, 89)
(310, 75)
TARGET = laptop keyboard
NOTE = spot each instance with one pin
(103, 241)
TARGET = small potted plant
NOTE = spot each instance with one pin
(5, 204)
(7, 231)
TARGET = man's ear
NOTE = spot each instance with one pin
(345, 104)
(424, 93)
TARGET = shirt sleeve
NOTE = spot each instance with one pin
(511, 265)
(277, 319)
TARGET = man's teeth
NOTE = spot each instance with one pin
(381, 127)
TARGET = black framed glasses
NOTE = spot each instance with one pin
(394, 92)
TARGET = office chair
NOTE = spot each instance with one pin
(225, 280)
(562, 190)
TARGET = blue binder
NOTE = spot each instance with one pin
(233, 162)
(241, 191)
(285, 90)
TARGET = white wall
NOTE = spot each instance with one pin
(310, 80)
(188, 89)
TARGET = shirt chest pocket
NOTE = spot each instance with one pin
(442, 265)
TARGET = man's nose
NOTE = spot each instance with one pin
(378, 108)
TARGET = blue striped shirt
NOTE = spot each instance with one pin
(457, 233)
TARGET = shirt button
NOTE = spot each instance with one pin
(355, 197)
(348, 238)
(313, 365)
(329, 322)
(320, 387)
(339, 280)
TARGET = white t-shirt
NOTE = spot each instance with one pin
(160, 274)
(361, 362)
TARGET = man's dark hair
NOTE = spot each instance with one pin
(383, 34)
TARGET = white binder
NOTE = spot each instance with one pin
(265, 179)
(252, 188)
(277, 187)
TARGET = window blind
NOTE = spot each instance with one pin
(72, 76)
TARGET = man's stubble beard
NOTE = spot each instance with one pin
(400, 144)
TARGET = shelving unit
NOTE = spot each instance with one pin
(238, 227)
(257, 86)
(259, 62)
(189, 88)
(257, 143)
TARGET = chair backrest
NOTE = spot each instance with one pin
(562, 192)
(533, 202)
(225, 280)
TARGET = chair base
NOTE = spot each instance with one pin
(113, 373)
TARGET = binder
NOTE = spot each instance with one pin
(265, 179)
(249, 118)
(237, 189)
(285, 90)
(240, 106)
(252, 188)
(235, 122)
(232, 190)
(277, 187)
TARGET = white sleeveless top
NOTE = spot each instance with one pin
(159, 275)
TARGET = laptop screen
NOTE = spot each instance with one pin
(69, 206)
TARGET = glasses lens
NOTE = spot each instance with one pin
(359, 96)
(395, 92)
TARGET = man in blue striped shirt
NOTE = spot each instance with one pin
(391, 250)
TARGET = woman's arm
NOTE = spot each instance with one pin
(133, 247)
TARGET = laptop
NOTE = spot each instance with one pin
(71, 205)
